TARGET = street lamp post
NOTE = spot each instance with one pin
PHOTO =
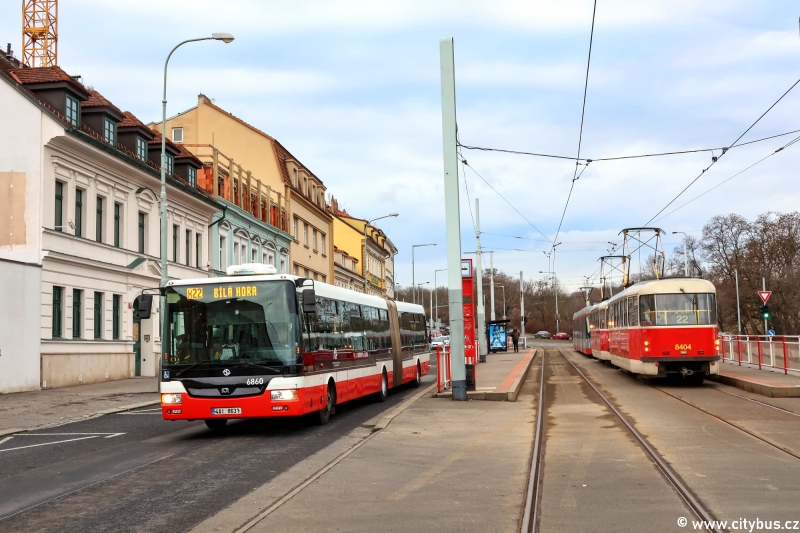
(364, 263)
(422, 295)
(413, 273)
(685, 253)
(555, 286)
(226, 38)
(435, 286)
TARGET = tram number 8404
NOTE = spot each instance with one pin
(683, 346)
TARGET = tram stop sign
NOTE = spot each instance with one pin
(765, 296)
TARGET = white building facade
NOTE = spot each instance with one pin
(83, 215)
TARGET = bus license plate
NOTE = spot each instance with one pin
(226, 410)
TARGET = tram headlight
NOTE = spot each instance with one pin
(283, 395)
(171, 398)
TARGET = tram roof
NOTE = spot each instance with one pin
(666, 286)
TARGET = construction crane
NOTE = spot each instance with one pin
(40, 33)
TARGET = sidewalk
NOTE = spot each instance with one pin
(22, 411)
(764, 382)
(500, 377)
(438, 466)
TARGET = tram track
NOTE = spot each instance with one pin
(530, 516)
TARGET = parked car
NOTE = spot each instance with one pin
(541, 335)
(441, 340)
(561, 336)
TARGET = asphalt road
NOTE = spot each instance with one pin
(135, 472)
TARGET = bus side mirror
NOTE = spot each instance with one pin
(309, 301)
(145, 305)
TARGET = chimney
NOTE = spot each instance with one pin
(9, 53)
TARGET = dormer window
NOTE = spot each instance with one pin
(109, 131)
(294, 177)
(170, 163)
(141, 148)
(193, 176)
(177, 135)
(73, 111)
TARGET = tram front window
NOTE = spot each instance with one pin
(254, 323)
(683, 309)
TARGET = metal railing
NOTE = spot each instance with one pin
(444, 380)
(778, 353)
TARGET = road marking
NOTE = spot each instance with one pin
(6, 440)
(155, 411)
(47, 443)
(65, 434)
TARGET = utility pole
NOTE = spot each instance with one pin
(491, 283)
(555, 283)
(764, 288)
(522, 309)
(481, 312)
(458, 369)
(738, 308)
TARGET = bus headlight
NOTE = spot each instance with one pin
(283, 395)
(171, 398)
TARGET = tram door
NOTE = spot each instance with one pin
(137, 340)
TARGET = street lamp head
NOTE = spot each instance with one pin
(224, 37)
(394, 214)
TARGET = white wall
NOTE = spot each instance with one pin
(19, 326)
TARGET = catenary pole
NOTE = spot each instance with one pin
(452, 219)
(481, 311)
(491, 285)
(738, 308)
(764, 288)
(522, 309)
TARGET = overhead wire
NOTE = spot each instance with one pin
(715, 159)
(575, 176)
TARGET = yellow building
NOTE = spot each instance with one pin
(207, 126)
(349, 243)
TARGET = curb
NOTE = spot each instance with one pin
(771, 391)
(517, 385)
(505, 396)
(81, 418)
(383, 422)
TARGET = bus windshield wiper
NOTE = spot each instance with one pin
(270, 368)
(193, 366)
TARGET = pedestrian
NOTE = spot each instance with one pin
(515, 339)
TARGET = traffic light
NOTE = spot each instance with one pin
(765, 312)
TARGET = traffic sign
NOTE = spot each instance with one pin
(771, 332)
(765, 295)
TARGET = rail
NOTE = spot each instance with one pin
(443, 378)
(777, 353)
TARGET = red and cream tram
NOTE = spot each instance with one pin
(599, 332)
(261, 344)
(664, 327)
(581, 333)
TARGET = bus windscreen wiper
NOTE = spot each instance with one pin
(270, 368)
(193, 366)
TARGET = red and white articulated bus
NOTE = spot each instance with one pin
(261, 344)
(660, 328)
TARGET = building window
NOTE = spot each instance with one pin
(188, 247)
(170, 163)
(305, 272)
(116, 305)
(294, 228)
(270, 256)
(78, 213)
(141, 148)
(322, 239)
(235, 253)
(98, 315)
(193, 176)
(76, 313)
(324, 277)
(73, 111)
(283, 264)
(99, 222)
(296, 270)
(117, 223)
(223, 252)
(254, 253)
(175, 244)
(197, 250)
(109, 131)
(59, 219)
(294, 177)
(58, 293)
(305, 234)
(177, 135)
(314, 239)
(142, 231)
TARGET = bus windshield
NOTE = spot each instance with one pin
(681, 309)
(249, 323)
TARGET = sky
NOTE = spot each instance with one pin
(352, 88)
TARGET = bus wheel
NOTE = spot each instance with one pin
(216, 423)
(325, 414)
(383, 395)
(418, 379)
